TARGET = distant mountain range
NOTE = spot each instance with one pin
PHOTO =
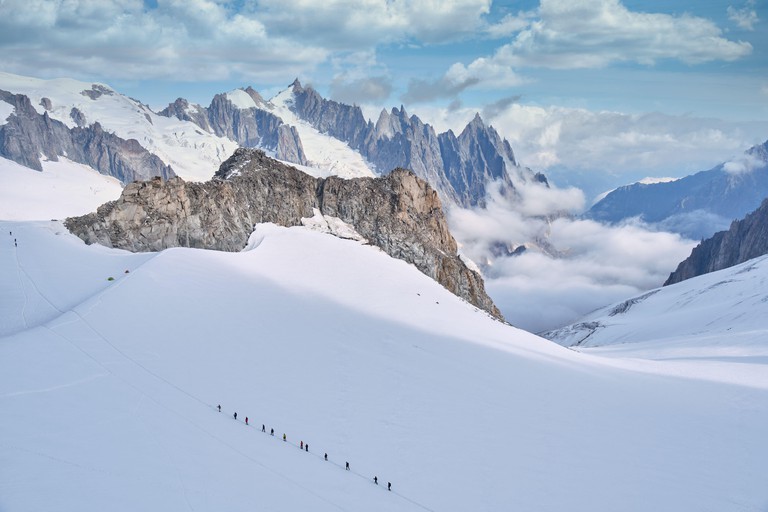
(125, 138)
(695, 206)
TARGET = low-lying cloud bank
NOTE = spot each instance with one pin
(569, 266)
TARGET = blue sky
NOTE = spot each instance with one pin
(537, 70)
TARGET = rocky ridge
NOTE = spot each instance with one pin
(27, 135)
(250, 127)
(746, 239)
(399, 213)
(459, 168)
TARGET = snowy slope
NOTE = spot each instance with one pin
(719, 319)
(109, 399)
(193, 153)
(63, 189)
(326, 154)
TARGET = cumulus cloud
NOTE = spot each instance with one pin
(179, 40)
(596, 33)
(745, 17)
(350, 23)
(562, 34)
(570, 267)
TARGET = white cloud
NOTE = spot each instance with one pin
(346, 24)
(510, 24)
(178, 40)
(595, 33)
(743, 164)
(746, 17)
(571, 266)
(563, 34)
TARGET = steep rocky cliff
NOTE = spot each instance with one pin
(251, 126)
(399, 213)
(746, 239)
(459, 168)
(27, 135)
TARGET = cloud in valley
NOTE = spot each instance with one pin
(571, 266)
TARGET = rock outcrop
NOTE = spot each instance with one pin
(399, 213)
(746, 239)
(27, 135)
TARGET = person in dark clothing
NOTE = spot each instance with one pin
(235, 415)
(389, 486)
(246, 420)
(326, 456)
(376, 480)
(347, 466)
(271, 431)
(284, 438)
(263, 428)
(306, 447)
(219, 407)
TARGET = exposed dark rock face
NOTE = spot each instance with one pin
(746, 239)
(399, 213)
(459, 168)
(250, 127)
(27, 135)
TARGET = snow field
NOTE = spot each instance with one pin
(63, 189)
(111, 404)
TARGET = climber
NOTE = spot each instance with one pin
(306, 447)
(389, 486)
(376, 480)
(326, 456)
(271, 431)
(347, 466)
(263, 428)
(219, 407)
(301, 446)
(284, 438)
(246, 420)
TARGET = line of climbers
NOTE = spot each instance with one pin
(304, 446)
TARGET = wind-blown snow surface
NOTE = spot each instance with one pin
(63, 189)
(108, 391)
(194, 154)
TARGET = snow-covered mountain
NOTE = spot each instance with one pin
(695, 206)
(112, 365)
(192, 153)
(336, 139)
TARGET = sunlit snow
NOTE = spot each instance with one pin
(112, 366)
